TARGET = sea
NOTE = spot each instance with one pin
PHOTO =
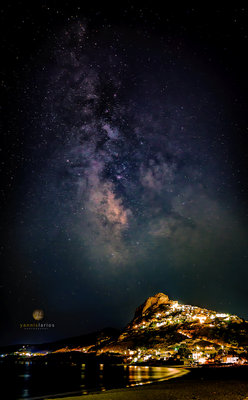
(35, 380)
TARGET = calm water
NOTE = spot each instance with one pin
(25, 380)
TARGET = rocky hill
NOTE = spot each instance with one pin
(164, 328)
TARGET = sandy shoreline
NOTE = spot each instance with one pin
(196, 388)
(172, 390)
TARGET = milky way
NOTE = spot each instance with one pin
(132, 167)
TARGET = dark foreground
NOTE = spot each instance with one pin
(231, 390)
(200, 384)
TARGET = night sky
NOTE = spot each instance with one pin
(124, 162)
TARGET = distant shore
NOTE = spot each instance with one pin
(199, 384)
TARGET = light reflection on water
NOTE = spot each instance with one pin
(26, 376)
(43, 379)
(146, 374)
(82, 375)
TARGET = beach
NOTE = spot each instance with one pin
(184, 390)
(195, 386)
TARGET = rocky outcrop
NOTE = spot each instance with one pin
(151, 302)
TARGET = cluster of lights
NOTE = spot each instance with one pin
(188, 313)
(176, 313)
